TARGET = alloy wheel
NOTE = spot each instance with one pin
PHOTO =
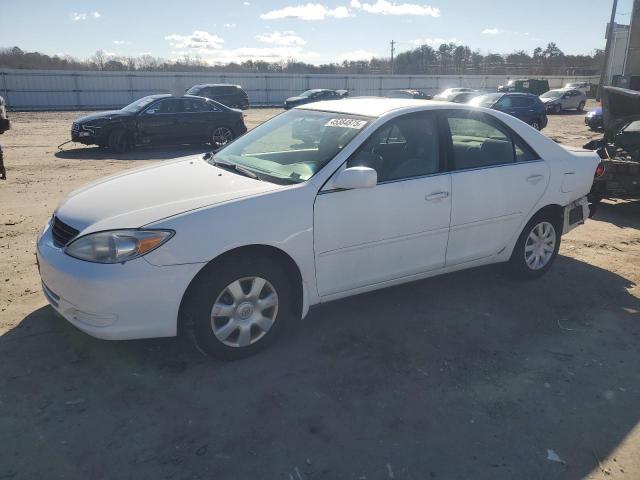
(540, 245)
(244, 311)
(221, 136)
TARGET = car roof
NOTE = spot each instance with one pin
(374, 106)
(217, 85)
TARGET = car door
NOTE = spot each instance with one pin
(496, 180)
(158, 123)
(505, 104)
(396, 229)
(198, 119)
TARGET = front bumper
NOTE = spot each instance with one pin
(593, 121)
(113, 302)
(86, 135)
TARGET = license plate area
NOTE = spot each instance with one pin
(575, 214)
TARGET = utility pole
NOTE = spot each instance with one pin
(632, 61)
(607, 50)
(393, 44)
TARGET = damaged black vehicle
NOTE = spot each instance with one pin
(619, 173)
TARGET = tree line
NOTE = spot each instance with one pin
(447, 59)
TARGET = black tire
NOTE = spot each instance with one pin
(518, 264)
(211, 284)
(557, 109)
(212, 136)
(580, 106)
(119, 141)
(535, 124)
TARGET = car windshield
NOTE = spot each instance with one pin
(139, 104)
(552, 94)
(308, 93)
(293, 146)
(487, 101)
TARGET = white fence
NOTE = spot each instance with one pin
(76, 90)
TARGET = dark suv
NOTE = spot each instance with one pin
(230, 95)
(525, 106)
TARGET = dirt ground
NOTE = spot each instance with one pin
(467, 376)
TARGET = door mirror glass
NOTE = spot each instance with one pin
(356, 177)
(151, 111)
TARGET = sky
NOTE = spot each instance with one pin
(316, 32)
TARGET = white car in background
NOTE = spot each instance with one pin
(584, 87)
(237, 244)
(451, 92)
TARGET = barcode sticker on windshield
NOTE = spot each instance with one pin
(346, 123)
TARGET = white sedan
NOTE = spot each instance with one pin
(322, 202)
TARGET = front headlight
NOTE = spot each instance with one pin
(117, 246)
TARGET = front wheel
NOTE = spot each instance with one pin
(535, 124)
(557, 109)
(119, 141)
(581, 106)
(239, 306)
(537, 247)
(220, 136)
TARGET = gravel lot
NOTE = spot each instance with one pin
(469, 375)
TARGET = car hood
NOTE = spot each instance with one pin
(138, 197)
(108, 115)
(549, 99)
(619, 108)
(296, 99)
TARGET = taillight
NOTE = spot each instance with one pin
(599, 170)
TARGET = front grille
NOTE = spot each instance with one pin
(75, 129)
(62, 233)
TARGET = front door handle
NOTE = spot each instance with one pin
(534, 178)
(436, 196)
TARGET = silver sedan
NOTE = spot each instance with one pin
(563, 99)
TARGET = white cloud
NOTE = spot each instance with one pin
(285, 38)
(309, 11)
(230, 25)
(198, 41)
(385, 7)
(246, 4)
(121, 42)
(435, 42)
(491, 31)
(357, 55)
(79, 17)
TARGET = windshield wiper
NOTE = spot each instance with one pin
(234, 167)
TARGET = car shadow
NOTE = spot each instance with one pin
(466, 375)
(156, 152)
(622, 213)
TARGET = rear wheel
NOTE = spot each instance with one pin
(535, 124)
(239, 306)
(220, 136)
(537, 246)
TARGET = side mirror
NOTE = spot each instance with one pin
(356, 177)
(151, 111)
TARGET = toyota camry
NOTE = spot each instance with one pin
(238, 243)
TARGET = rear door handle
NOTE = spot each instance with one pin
(436, 196)
(534, 178)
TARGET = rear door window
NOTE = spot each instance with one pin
(480, 141)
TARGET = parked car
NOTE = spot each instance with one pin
(409, 93)
(593, 118)
(449, 92)
(560, 99)
(229, 95)
(460, 97)
(314, 95)
(531, 85)
(619, 148)
(525, 106)
(160, 119)
(238, 244)
(584, 87)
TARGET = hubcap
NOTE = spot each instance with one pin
(540, 245)
(244, 311)
(221, 136)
